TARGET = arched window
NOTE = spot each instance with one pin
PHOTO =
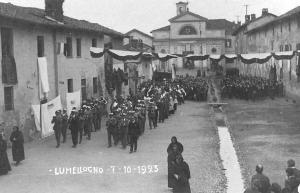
(163, 51)
(188, 30)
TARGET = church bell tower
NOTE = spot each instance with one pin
(182, 7)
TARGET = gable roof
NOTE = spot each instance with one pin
(284, 16)
(138, 31)
(37, 16)
(242, 27)
(166, 28)
(187, 13)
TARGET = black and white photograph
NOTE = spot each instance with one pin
(150, 96)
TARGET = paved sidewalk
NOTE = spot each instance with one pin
(190, 124)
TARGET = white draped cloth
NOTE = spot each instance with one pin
(43, 73)
(48, 111)
(73, 100)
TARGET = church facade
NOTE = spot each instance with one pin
(190, 33)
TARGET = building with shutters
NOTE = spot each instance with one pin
(270, 33)
(29, 33)
(190, 33)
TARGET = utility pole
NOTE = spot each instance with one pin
(247, 5)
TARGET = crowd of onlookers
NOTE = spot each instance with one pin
(260, 183)
(250, 88)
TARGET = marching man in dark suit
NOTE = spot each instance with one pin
(133, 131)
(74, 123)
(57, 120)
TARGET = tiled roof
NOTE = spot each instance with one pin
(166, 28)
(288, 14)
(37, 16)
(218, 24)
(135, 30)
(235, 32)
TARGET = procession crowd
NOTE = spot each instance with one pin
(250, 88)
(125, 124)
(260, 183)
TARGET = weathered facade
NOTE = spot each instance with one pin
(277, 34)
(189, 33)
(138, 39)
(33, 34)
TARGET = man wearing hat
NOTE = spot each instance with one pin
(74, 126)
(123, 129)
(64, 125)
(58, 121)
(111, 124)
(133, 131)
(263, 181)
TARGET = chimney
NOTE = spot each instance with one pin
(264, 11)
(239, 23)
(247, 18)
(54, 9)
(253, 17)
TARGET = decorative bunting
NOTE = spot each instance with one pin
(252, 58)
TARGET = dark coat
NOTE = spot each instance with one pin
(74, 123)
(4, 162)
(17, 141)
(133, 128)
(171, 165)
(57, 120)
(182, 185)
(264, 182)
(179, 147)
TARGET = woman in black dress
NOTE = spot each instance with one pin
(17, 141)
(181, 172)
(4, 163)
(174, 142)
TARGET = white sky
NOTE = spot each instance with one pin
(147, 15)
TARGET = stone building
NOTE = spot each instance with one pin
(241, 40)
(138, 70)
(29, 33)
(277, 34)
(190, 33)
(136, 39)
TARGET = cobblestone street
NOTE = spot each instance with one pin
(191, 125)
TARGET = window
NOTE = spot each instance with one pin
(7, 42)
(9, 98)
(78, 46)
(228, 43)
(272, 45)
(40, 46)
(281, 27)
(94, 42)
(288, 47)
(213, 50)
(95, 85)
(266, 33)
(188, 30)
(70, 85)
(281, 48)
(68, 52)
(298, 46)
(289, 25)
(298, 21)
(83, 89)
(273, 32)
